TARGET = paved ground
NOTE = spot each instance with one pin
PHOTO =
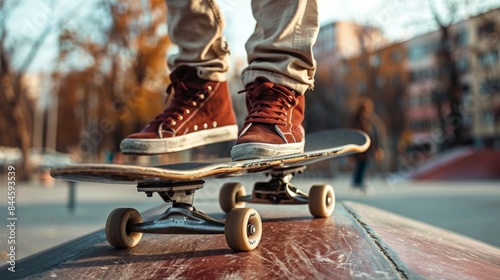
(44, 220)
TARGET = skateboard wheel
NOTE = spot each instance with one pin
(228, 196)
(321, 201)
(243, 229)
(116, 228)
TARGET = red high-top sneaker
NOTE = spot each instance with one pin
(200, 113)
(273, 126)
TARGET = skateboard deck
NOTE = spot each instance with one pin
(319, 146)
(177, 183)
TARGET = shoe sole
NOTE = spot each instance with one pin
(261, 150)
(179, 143)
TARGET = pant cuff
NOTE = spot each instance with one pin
(248, 76)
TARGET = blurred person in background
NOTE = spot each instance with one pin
(365, 119)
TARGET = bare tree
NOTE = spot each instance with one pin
(15, 103)
(449, 87)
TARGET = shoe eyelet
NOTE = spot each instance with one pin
(205, 126)
(214, 124)
(195, 127)
(187, 111)
(172, 122)
(202, 96)
(209, 88)
(180, 117)
(194, 104)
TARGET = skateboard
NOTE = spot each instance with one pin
(177, 184)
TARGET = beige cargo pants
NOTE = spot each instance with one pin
(279, 49)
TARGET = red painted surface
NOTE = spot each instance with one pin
(357, 242)
(463, 165)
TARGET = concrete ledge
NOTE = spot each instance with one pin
(358, 241)
(418, 249)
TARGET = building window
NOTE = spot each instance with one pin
(490, 86)
(375, 61)
(362, 65)
(361, 86)
(396, 56)
(416, 52)
(414, 75)
(427, 99)
(462, 37)
(467, 119)
(420, 51)
(396, 79)
(415, 101)
(435, 122)
(484, 88)
(420, 100)
(463, 64)
(494, 84)
(486, 29)
(423, 74)
(468, 102)
(379, 82)
(345, 68)
(488, 58)
(422, 125)
(488, 118)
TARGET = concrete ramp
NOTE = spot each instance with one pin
(357, 242)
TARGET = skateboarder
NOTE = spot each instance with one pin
(366, 120)
(281, 68)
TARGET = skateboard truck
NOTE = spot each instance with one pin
(182, 217)
(279, 190)
(181, 192)
(124, 226)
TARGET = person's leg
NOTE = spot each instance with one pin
(281, 68)
(359, 174)
(200, 110)
(196, 28)
(280, 48)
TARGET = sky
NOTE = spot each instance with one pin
(240, 22)
(32, 15)
(389, 15)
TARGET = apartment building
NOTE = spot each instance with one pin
(409, 80)
(337, 42)
(427, 102)
(482, 100)
(475, 55)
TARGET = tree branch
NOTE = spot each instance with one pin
(435, 13)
